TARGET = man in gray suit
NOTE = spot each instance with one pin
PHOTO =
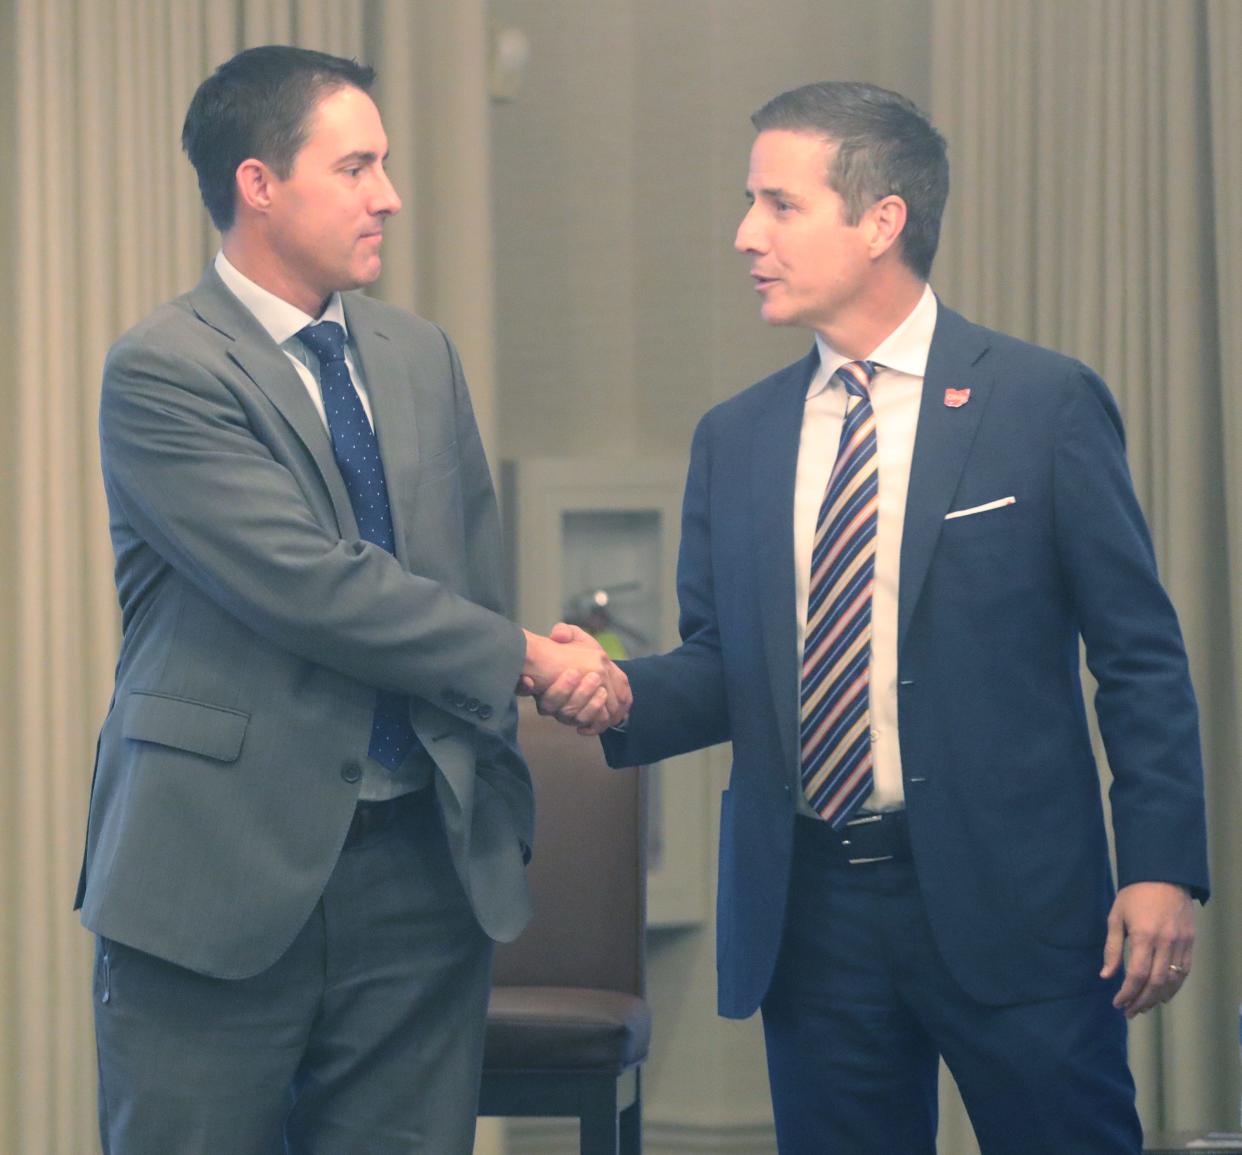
(309, 816)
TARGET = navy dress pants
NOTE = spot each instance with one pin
(862, 1007)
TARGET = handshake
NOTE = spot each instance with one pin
(572, 679)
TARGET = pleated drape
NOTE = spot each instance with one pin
(104, 223)
(1095, 208)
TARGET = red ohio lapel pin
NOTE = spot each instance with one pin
(956, 398)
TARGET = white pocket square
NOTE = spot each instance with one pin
(1011, 500)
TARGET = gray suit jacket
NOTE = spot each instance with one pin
(257, 625)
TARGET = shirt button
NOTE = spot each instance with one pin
(875, 735)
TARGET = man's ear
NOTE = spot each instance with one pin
(254, 181)
(886, 219)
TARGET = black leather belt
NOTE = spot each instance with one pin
(371, 817)
(864, 840)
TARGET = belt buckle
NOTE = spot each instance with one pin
(865, 820)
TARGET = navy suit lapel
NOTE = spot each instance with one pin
(774, 469)
(388, 381)
(252, 349)
(941, 446)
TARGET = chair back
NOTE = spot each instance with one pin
(588, 873)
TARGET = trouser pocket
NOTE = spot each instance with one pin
(103, 969)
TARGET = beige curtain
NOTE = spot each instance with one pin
(1084, 139)
(104, 223)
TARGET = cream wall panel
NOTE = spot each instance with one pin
(564, 210)
(623, 312)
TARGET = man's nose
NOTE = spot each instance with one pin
(748, 238)
(387, 202)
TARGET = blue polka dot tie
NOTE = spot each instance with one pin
(357, 455)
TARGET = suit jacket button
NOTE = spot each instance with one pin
(473, 705)
(352, 770)
(485, 711)
(459, 700)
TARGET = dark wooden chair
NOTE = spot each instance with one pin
(568, 1026)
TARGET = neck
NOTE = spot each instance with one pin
(253, 260)
(861, 328)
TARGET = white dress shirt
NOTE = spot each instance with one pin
(283, 321)
(896, 393)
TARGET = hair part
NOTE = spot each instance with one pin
(885, 146)
(259, 104)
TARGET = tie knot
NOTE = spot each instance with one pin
(326, 340)
(856, 376)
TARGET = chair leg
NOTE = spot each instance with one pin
(598, 1126)
(631, 1129)
(632, 1121)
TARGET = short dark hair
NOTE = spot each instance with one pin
(258, 104)
(885, 146)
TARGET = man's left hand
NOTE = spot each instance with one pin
(1158, 918)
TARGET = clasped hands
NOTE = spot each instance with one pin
(573, 680)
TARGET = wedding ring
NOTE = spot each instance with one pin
(1177, 970)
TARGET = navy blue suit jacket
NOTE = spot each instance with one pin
(1002, 790)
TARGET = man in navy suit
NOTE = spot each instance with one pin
(913, 858)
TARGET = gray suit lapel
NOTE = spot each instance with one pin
(774, 471)
(941, 447)
(252, 349)
(391, 387)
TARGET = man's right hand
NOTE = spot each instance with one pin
(574, 680)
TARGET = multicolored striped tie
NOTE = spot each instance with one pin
(836, 720)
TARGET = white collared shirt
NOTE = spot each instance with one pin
(896, 393)
(284, 321)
